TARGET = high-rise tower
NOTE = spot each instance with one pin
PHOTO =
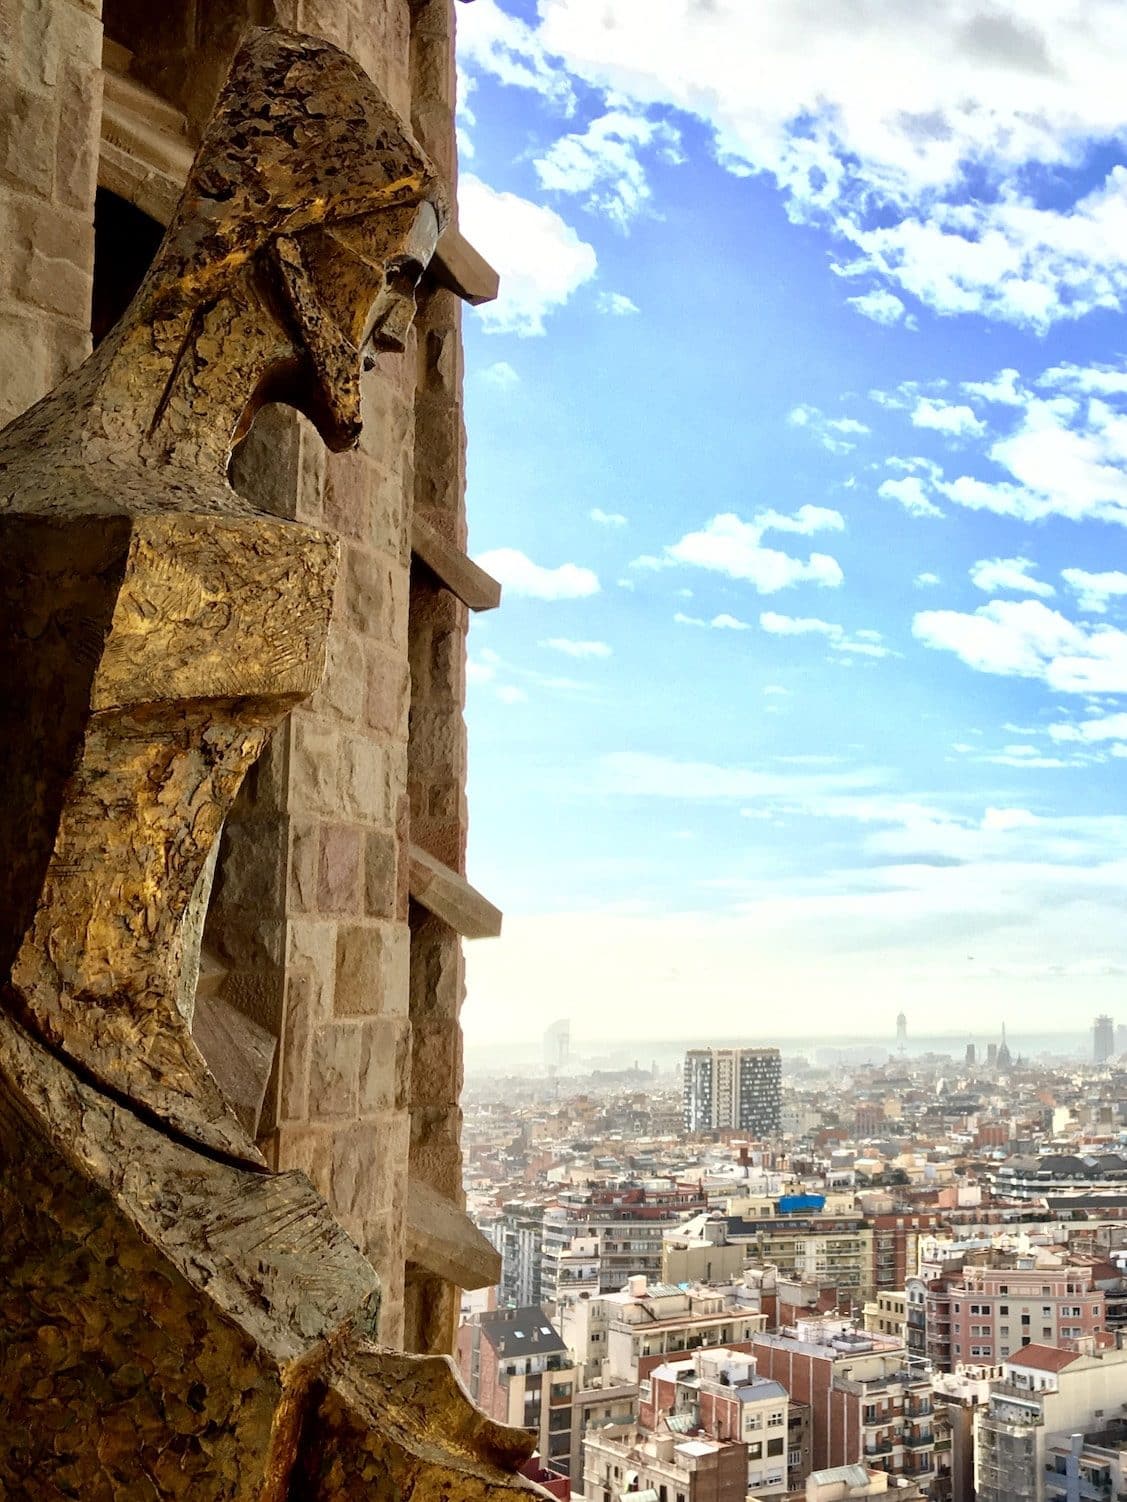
(737, 1088)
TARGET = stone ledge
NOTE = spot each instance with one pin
(450, 897)
(461, 576)
(444, 1241)
(460, 268)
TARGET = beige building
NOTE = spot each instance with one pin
(336, 917)
(1023, 1438)
(887, 1314)
(627, 1464)
(623, 1336)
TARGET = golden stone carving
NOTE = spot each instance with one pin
(175, 1321)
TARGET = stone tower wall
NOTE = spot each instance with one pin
(340, 895)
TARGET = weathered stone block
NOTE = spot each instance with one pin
(387, 692)
(381, 875)
(340, 858)
(385, 1065)
(334, 1071)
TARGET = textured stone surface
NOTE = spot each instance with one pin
(278, 948)
(178, 1319)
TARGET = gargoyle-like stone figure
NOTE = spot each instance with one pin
(175, 1321)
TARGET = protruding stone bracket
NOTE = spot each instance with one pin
(444, 1240)
(460, 268)
(450, 897)
(460, 574)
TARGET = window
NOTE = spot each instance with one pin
(1046, 1311)
(1003, 1309)
(755, 1450)
(1046, 1332)
(774, 1420)
(755, 1421)
(775, 1446)
(1003, 1288)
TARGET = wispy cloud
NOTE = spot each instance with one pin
(521, 576)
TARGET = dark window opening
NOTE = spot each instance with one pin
(125, 242)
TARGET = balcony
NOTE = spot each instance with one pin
(925, 1441)
(882, 1447)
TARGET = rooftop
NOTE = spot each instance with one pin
(1043, 1358)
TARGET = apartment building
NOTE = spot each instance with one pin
(627, 1223)
(622, 1336)
(520, 1240)
(631, 1463)
(1031, 1437)
(988, 1313)
(887, 1314)
(869, 1403)
(722, 1394)
(733, 1089)
(518, 1369)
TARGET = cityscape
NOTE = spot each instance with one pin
(837, 1272)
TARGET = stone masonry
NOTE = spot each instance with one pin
(339, 898)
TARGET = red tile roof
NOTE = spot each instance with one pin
(1043, 1358)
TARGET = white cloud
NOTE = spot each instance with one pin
(954, 419)
(604, 163)
(1064, 454)
(1026, 639)
(1087, 380)
(909, 493)
(511, 693)
(501, 374)
(722, 622)
(617, 304)
(607, 518)
(1094, 590)
(880, 305)
(828, 431)
(728, 545)
(1003, 389)
(797, 625)
(993, 574)
(520, 576)
(541, 260)
(1106, 728)
(572, 648)
(903, 126)
(926, 580)
(863, 643)
(502, 45)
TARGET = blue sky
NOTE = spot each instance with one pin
(797, 439)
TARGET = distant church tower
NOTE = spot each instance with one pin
(901, 1028)
(1004, 1060)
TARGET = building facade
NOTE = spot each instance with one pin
(633, 1464)
(627, 1222)
(733, 1089)
(517, 1368)
(869, 1404)
(1030, 1439)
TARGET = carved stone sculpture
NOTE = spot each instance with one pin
(175, 1320)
